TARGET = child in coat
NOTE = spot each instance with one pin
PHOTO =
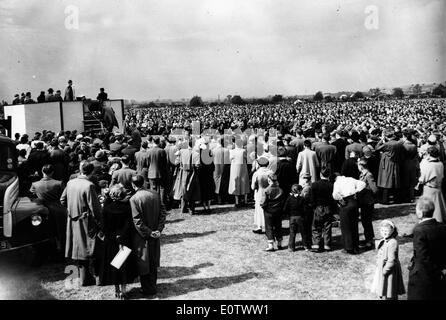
(388, 280)
(272, 204)
(294, 208)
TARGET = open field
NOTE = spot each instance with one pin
(218, 257)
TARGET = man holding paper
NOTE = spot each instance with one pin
(149, 216)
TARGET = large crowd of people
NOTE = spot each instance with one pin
(314, 164)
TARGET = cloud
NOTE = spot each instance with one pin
(173, 49)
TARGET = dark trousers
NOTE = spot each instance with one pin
(185, 205)
(308, 223)
(349, 224)
(297, 224)
(385, 195)
(157, 186)
(273, 225)
(322, 226)
(366, 220)
(85, 268)
(148, 282)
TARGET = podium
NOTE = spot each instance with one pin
(56, 116)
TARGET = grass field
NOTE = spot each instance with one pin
(217, 256)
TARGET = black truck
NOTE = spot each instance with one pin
(23, 222)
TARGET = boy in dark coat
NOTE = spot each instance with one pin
(272, 205)
(295, 208)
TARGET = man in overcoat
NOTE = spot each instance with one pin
(326, 153)
(84, 221)
(157, 168)
(427, 275)
(149, 216)
(392, 156)
(307, 163)
(48, 191)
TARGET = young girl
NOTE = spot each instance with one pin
(388, 279)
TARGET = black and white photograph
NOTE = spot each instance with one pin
(222, 150)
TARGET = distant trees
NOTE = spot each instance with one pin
(319, 96)
(398, 93)
(440, 90)
(375, 92)
(152, 104)
(260, 101)
(237, 100)
(358, 95)
(196, 102)
(328, 99)
(416, 90)
(277, 98)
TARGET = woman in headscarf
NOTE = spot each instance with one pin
(432, 173)
(117, 231)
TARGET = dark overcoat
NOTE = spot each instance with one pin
(429, 258)
(149, 215)
(393, 154)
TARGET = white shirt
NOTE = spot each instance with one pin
(346, 186)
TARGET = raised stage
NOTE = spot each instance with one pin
(57, 116)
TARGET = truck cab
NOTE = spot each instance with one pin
(23, 222)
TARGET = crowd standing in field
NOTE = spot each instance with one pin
(315, 164)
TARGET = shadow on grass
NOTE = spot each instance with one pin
(222, 210)
(175, 238)
(179, 272)
(20, 281)
(392, 212)
(174, 221)
(184, 286)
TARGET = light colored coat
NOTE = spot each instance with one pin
(307, 162)
(432, 177)
(259, 185)
(84, 217)
(388, 279)
(239, 177)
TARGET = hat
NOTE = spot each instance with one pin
(262, 161)
(99, 154)
(79, 137)
(432, 139)
(388, 222)
(62, 139)
(367, 152)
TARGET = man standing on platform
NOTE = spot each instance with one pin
(102, 96)
(149, 218)
(69, 92)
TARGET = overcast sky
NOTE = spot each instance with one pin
(146, 49)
